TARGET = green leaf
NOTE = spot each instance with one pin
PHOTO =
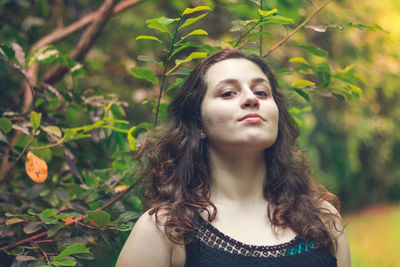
(266, 13)
(80, 136)
(53, 130)
(65, 262)
(304, 94)
(44, 54)
(160, 24)
(192, 56)
(132, 139)
(283, 71)
(128, 216)
(144, 126)
(123, 227)
(302, 83)
(142, 73)
(313, 50)
(115, 120)
(147, 37)
(76, 248)
(359, 78)
(95, 125)
(147, 59)
(278, 20)
(5, 125)
(191, 21)
(195, 32)
(192, 10)
(100, 217)
(6, 51)
(356, 89)
(39, 101)
(296, 110)
(183, 46)
(166, 21)
(35, 120)
(299, 60)
(238, 24)
(323, 72)
(340, 97)
(77, 70)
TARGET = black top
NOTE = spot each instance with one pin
(210, 247)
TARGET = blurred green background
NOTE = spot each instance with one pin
(354, 146)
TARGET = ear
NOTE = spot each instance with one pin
(203, 134)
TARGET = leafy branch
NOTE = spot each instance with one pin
(287, 37)
(72, 222)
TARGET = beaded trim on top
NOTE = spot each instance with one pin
(213, 238)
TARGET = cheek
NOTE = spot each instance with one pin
(215, 117)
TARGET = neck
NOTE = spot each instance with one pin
(237, 176)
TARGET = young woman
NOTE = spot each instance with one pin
(229, 186)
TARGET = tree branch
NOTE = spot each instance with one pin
(281, 42)
(10, 170)
(62, 33)
(86, 42)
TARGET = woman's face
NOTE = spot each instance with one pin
(238, 110)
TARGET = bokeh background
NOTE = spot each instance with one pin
(354, 145)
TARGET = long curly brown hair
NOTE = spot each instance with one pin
(178, 172)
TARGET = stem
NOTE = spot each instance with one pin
(166, 63)
(281, 42)
(9, 172)
(244, 35)
(48, 146)
(44, 253)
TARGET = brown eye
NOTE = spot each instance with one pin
(228, 94)
(261, 93)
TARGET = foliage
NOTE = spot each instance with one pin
(91, 139)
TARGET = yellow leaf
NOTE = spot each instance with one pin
(120, 188)
(36, 168)
(299, 60)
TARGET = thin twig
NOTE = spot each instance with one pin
(248, 31)
(48, 146)
(166, 63)
(43, 252)
(287, 37)
(9, 172)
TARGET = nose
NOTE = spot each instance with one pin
(249, 99)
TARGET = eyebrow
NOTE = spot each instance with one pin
(234, 81)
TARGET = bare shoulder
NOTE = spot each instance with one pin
(338, 231)
(328, 206)
(147, 245)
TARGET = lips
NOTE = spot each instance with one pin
(251, 116)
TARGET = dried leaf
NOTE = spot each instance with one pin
(14, 221)
(36, 168)
(32, 227)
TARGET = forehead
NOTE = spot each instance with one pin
(240, 69)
